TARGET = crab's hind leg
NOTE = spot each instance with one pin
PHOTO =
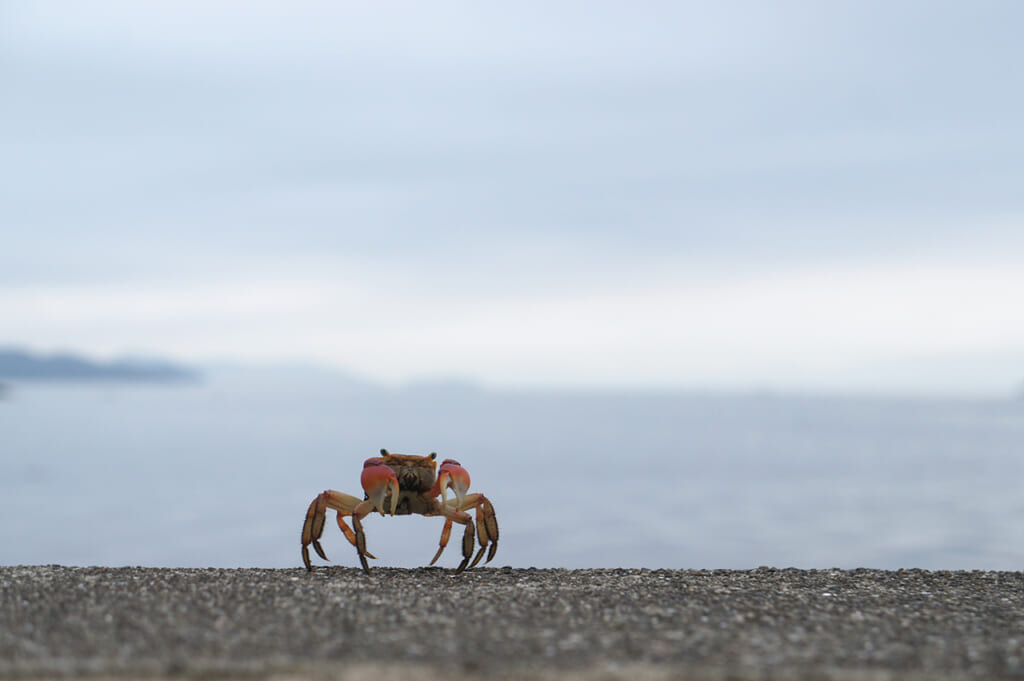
(313, 527)
(486, 525)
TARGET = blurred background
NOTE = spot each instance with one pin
(681, 285)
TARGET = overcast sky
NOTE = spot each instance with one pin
(788, 195)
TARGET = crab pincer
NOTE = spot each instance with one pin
(378, 481)
(451, 475)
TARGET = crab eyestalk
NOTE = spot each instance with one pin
(377, 480)
(452, 474)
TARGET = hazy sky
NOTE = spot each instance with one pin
(791, 195)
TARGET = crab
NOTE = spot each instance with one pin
(402, 484)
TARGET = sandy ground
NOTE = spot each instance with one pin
(505, 623)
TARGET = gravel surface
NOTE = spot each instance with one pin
(505, 623)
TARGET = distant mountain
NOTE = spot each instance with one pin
(21, 365)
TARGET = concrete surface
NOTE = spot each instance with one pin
(505, 623)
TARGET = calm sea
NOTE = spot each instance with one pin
(220, 474)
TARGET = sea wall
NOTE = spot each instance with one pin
(510, 623)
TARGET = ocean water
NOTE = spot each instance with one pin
(220, 474)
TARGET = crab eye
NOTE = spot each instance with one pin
(384, 452)
(433, 455)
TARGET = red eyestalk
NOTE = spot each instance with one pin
(378, 480)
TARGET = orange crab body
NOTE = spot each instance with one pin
(402, 484)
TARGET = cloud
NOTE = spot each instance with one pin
(505, 181)
(790, 329)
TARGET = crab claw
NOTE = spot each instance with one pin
(378, 480)
(452, 474)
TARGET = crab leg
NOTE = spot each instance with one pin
(452, 514)
(450, 475)
(445, 534)
(313, 527)
(381, 487)
(349, 534)
(486, 526)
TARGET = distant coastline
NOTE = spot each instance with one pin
(21, 365)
